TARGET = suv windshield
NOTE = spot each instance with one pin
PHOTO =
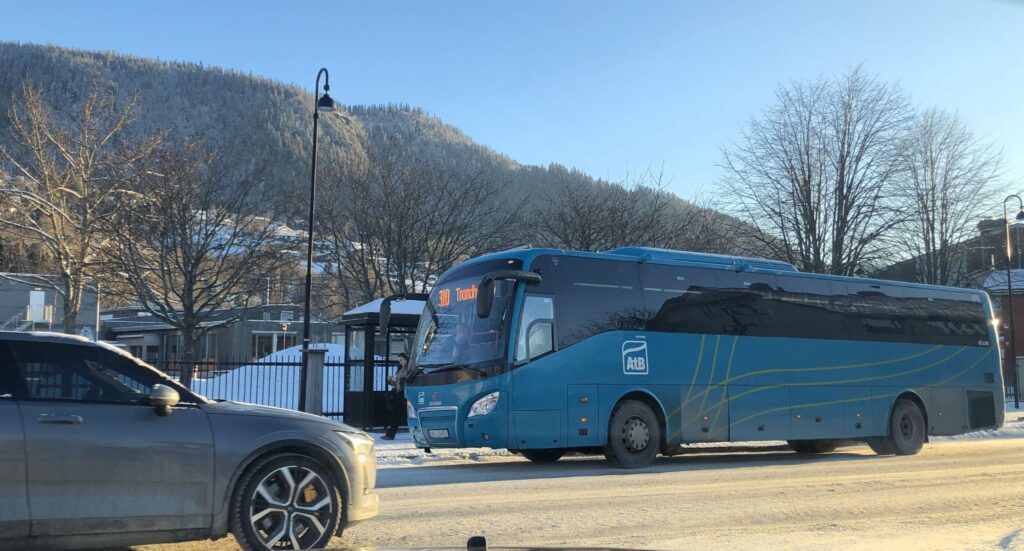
(450, 333)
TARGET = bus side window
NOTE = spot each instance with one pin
(536, 328)
(676, 299)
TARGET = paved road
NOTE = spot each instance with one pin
(954, 495)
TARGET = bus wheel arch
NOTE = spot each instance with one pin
(653, 403)
(916, 398)
(643, 410)
(911, 410)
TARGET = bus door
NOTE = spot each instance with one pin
(537, 401)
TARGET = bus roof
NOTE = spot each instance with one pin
(705, 260)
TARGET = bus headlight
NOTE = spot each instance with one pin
(410, 411)
(484, 405)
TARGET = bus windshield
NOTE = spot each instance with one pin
(450, 333)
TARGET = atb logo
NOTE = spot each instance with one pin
(634, 357)
(420, 398)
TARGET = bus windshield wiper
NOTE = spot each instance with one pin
(463, 367)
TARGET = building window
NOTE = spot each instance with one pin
(267, 342)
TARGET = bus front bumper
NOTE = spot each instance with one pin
(442, 429)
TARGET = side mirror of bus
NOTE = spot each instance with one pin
(484, 298)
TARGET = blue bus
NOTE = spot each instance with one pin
(637, 351)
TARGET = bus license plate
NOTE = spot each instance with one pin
(438, 433)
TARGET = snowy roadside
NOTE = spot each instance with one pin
(402, 452)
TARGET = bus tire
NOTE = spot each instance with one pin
(634, 436)
(812, 446)
(543, 456)
(880, 445)
(907, 430)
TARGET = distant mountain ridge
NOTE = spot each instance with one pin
(249, 118)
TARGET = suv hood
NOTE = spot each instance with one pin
(243, 408)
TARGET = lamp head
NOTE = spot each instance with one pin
(326, 104)
(1020, 215)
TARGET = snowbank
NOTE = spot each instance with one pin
(274, 380)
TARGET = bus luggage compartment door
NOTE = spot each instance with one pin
(759, 413)
(584, 427)
(703, 416)
(818, 412)
(537, 429)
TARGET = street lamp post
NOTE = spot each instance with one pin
(1009, 295)
(326, 104)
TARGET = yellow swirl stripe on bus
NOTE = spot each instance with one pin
(786, 408)
(728, 371)
(836, 402)
(823, 368)
(970, 367)
(714, 362)
(696, 368)
(730, 397)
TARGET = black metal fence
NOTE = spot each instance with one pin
(275, 381)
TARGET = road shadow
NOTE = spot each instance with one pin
(524, 469)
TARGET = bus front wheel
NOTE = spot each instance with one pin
(543, 456)
(906, 430)
(634, 436)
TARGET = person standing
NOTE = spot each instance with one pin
(396, 397)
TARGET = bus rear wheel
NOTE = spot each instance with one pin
(543, 456)
(907, 430)
(634, 436)
(812, 446)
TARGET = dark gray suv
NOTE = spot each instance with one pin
(99, 449)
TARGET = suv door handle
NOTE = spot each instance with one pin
(48, 419)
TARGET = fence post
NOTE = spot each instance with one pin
(315, 381)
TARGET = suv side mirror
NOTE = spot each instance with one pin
(163, 398)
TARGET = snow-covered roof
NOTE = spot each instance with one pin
(410, 307)
(995, 283)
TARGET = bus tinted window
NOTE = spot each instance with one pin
(608, 295)
(674, 298)
(945, 316)
(806, 308)
(873, 313)
(694, 300)
(593, 296)
(744, 303)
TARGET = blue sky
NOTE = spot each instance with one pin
(602, 86)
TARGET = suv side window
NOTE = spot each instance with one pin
(69, 372)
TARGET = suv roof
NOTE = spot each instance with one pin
(43, 336)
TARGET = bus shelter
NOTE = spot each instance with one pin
(373, 341)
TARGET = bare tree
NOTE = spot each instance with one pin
(813, 178)
(190, 243)
(583, 216)
(68, 172)
(946, 185)
(395, 220)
